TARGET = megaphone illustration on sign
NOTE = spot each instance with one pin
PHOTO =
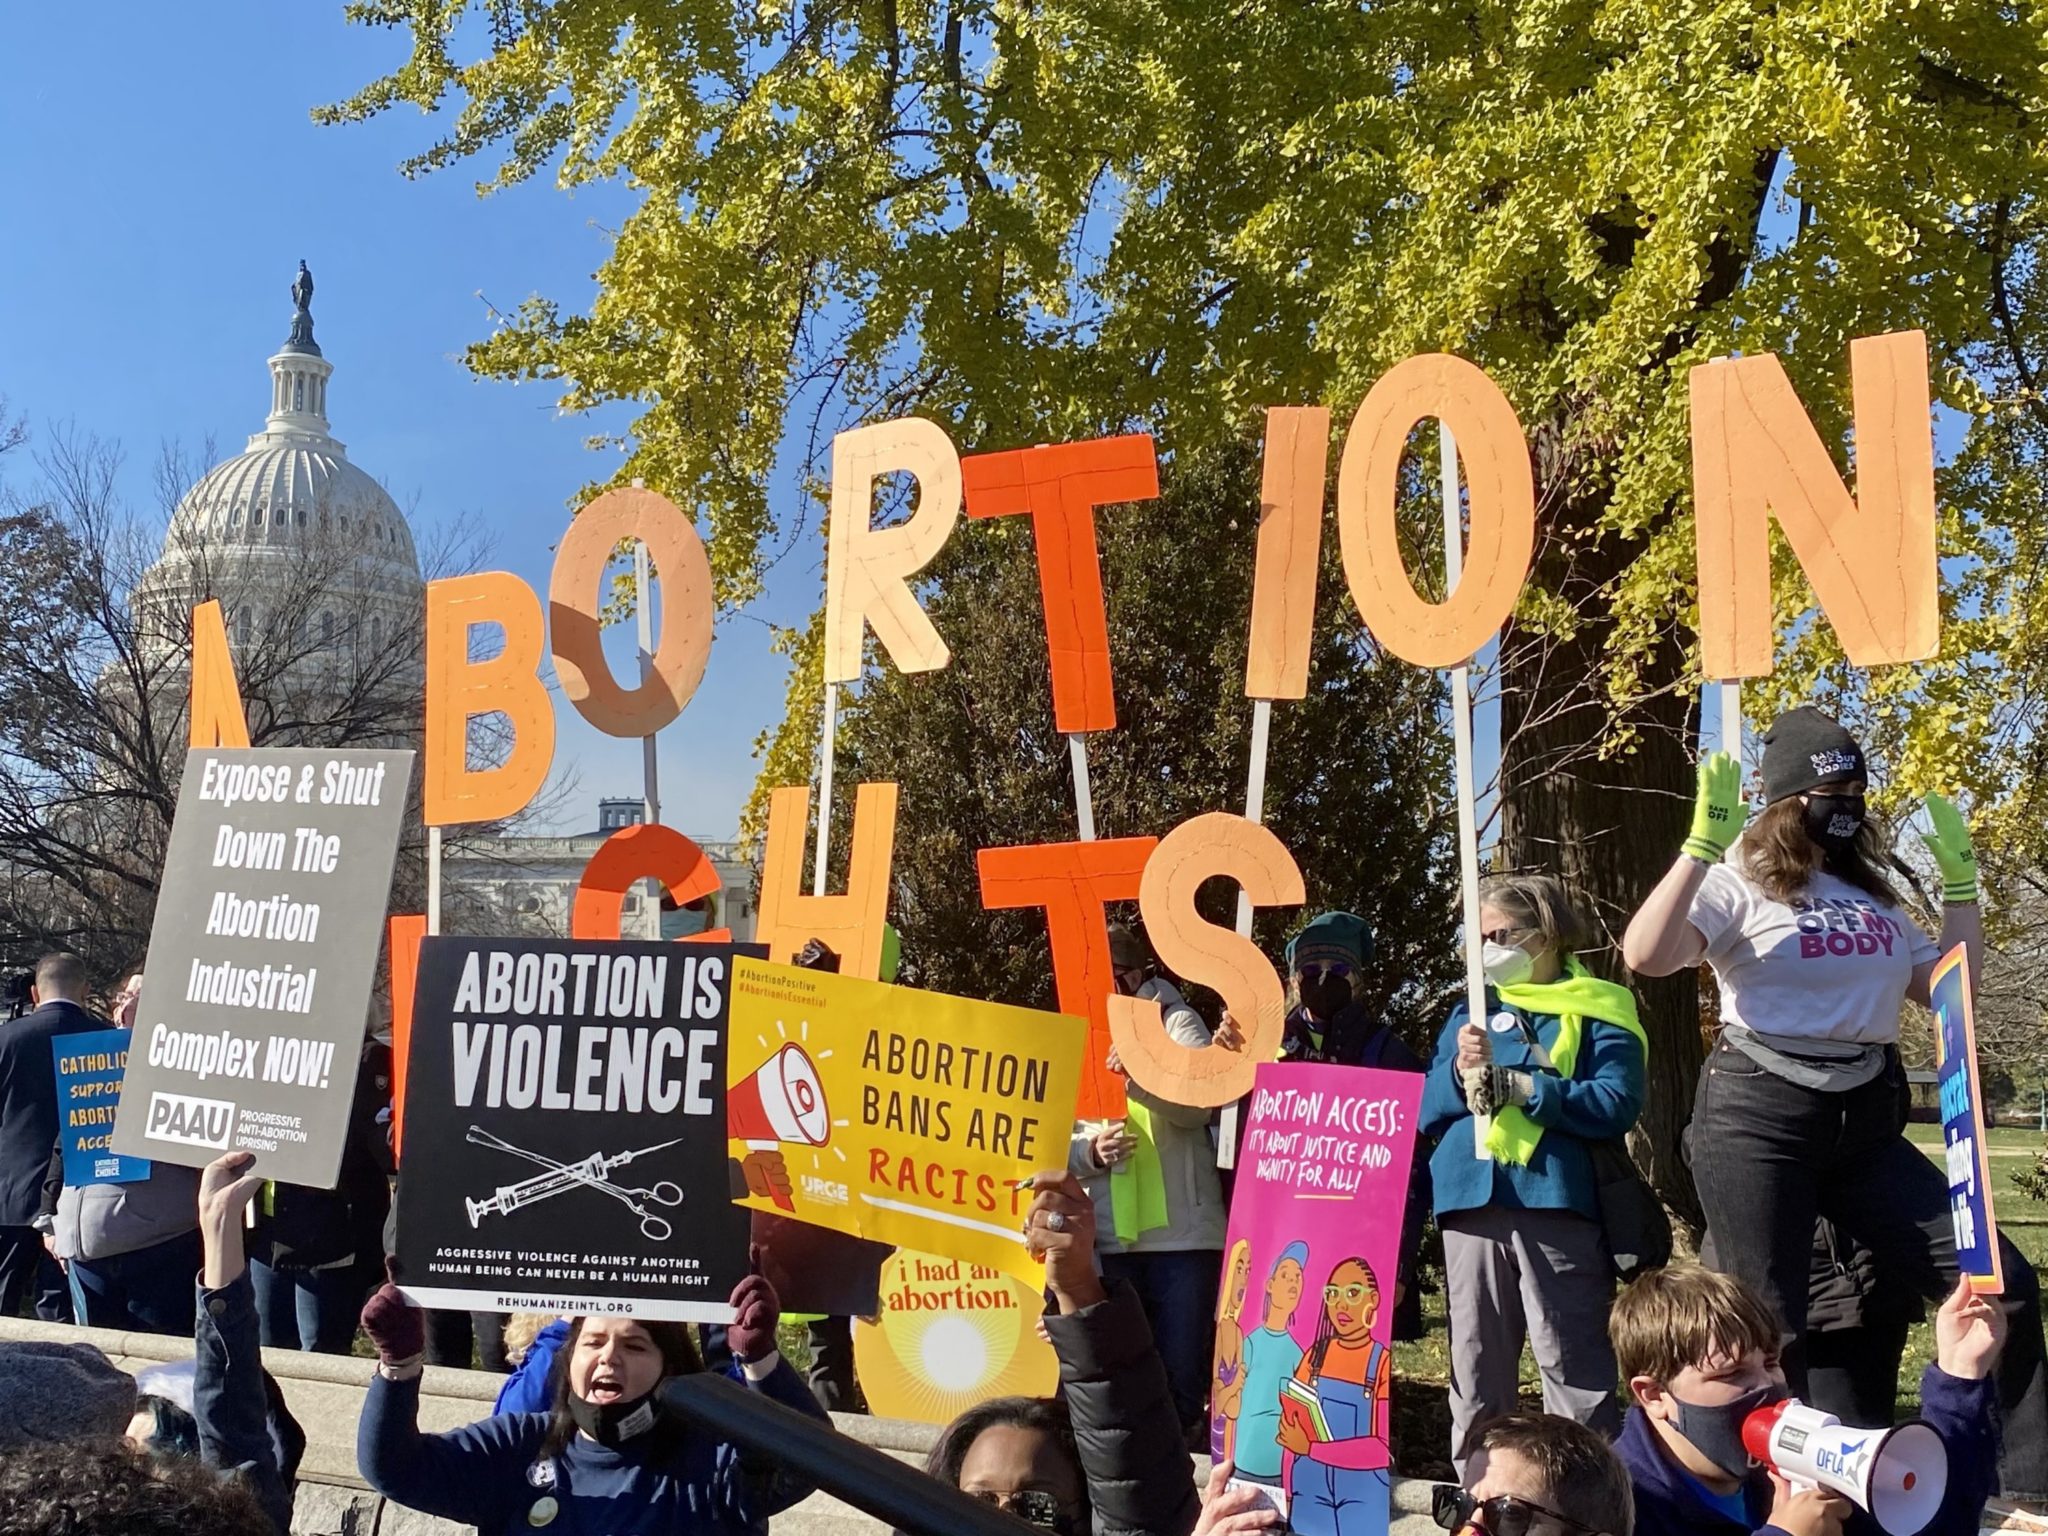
(782, 1101)
(1898, 1475)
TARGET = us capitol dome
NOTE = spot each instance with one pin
(312, 561)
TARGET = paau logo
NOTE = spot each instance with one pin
(195, 1122)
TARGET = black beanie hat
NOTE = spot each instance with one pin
(1803, 748)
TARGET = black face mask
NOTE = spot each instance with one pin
(1326, 996)
(1834, 821)
(613, 1423)
(1716, 1433)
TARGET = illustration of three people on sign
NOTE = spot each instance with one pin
(1309, 1424)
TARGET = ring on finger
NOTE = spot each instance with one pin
(1056, 1220)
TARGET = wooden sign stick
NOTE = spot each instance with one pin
(1461, 735)
(1731, 717)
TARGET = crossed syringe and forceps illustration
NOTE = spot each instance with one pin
(591, 1172)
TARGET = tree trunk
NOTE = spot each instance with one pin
(1608, 823)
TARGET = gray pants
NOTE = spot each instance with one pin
(1540, 1273)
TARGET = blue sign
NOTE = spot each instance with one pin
(1962, 1126)
(89, 1072)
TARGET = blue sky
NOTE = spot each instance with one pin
(161, 180)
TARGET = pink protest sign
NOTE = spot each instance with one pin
(1304, 1331)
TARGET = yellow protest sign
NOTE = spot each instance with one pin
(903, 1116)
(951, 1335)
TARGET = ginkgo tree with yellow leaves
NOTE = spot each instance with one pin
(1043, 219)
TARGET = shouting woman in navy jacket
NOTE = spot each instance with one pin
(608, 1458)
(1560, 1064)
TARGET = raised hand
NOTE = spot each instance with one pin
(1950, 845)
(1718, 810)
(395, 1326)
(1059, 1228)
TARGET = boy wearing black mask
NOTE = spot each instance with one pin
(1700, 1353)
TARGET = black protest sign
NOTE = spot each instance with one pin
(269, 919)
(565, 1135)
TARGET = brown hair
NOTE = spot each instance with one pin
(1686, 1314)
(1582, 1477)
(1541, 904)
(1779, 859)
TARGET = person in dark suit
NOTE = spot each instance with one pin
(28, 1130)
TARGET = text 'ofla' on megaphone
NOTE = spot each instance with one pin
(782, 1101)
(1898, 1475)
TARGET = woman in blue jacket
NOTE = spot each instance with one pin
(608, 1458)
(1560, 1064)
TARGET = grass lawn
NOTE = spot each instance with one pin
(1422, 1368)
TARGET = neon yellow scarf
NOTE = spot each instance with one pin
(1580, 996)
(1137, 1185)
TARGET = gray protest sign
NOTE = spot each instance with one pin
(269, 918)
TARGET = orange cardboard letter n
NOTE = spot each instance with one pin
(459, 690)
(1870, 557)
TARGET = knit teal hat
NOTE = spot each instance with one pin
(1331, 936)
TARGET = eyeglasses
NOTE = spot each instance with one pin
(1034, 1506)
(1505, 937)
(1332, 970)
(1453, 1509)
(1352, 1293)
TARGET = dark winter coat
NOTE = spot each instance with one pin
(1132, 1447)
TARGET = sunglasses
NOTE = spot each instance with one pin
(1351, 1293)
(1333, 970)
(1454, 1509)
(1033, 1506)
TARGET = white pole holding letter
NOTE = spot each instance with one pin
(1731, 718)
(825, 787)
(1254, 811)
(1255, 797)
(433, 879)
(1084, 797)
(1461, 735)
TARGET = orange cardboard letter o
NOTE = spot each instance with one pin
(1502, 538)
(574, 597)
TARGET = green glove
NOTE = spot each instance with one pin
(1950, 845)
(1718, 813)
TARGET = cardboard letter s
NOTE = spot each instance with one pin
(1197, 850)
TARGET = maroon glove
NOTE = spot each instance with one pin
(751, 1333)
(395, 1325)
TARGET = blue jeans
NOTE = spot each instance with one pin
(1178, 1291)
(309, 1309)
(149, 1290)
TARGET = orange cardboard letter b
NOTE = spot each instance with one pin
(459, 690)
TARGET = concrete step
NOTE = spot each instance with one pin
(325, 1393)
